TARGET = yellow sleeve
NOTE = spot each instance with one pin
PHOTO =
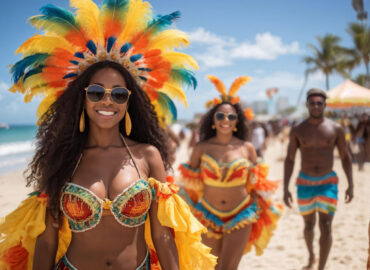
(174, 213)
(19, 232)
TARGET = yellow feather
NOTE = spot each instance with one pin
(44, 105)
(174, 91)
(137, 18)
(47, 26)
(87, 15)
(18, 86)
(43, 44)
(37, 90)
(169, 39)
(220, 86)
(180, 59)
(238, 82)
(34, 81)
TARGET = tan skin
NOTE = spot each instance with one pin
(224, 147)
(106, 169)
(316, 138)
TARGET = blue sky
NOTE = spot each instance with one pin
(264, 39)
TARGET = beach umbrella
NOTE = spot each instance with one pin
(348, 94)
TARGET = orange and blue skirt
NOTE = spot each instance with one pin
(220, 222)
(317, 193)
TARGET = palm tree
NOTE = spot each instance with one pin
(329, 57)
(361, 38)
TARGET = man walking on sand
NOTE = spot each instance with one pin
(317, 183)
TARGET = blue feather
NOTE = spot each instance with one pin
(91, 46)
(135, 57)
(79, 55)
(126, 47)
(70, 75)
(58, 15)
(110, 43)
(160, 23)
(163, 99)
(115, 4)
(185, 76)
(27, 63)
(74, 62)
(31, 72)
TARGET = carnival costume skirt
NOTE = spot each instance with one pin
(261, 212)
(220, 222)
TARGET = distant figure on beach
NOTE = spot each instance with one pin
(258, 138)
(317, 183)
(225, 187)
(363, 140)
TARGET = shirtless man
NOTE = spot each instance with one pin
(317, 184)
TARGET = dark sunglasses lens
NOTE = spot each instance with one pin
(316, 103)
(232, 117)
(220, 116)
(95, 93)
(119, 95)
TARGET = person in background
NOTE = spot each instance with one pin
(317, 183)
(226, 188)
(363, 140)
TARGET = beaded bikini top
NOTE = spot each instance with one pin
(84, 209)
(235, 172)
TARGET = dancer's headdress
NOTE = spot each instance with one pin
(226, 97)
(123, 31)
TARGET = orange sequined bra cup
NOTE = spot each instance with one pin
(84, 209)
(236, 173)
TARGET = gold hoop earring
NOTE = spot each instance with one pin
(82, 121)
(128, 124)
(213, 127)
(235, 129)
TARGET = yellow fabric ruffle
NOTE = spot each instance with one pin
(174, 213)
(19, 232)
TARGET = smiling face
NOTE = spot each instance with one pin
(316, 106)
(106, 114)
(225, 126)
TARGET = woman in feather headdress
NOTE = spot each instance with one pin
(101, 199)
(225, 185)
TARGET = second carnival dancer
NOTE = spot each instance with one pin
(224, 185)
(101, 199)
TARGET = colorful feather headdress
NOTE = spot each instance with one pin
(123, 31)
(226, 97)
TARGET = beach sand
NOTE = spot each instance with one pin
(287, 249)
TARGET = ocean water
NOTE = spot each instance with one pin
(16, 147)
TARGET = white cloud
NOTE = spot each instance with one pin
(266, 47)
(4, 86)
(222, 51)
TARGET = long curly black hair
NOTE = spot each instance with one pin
(59, 142)
(206, 132)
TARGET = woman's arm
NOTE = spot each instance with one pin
(194, 161)
(162, 236)
(47, 244)
(251, 152)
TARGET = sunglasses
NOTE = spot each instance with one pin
(95, 93)
(318, 103)
(221, 116)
